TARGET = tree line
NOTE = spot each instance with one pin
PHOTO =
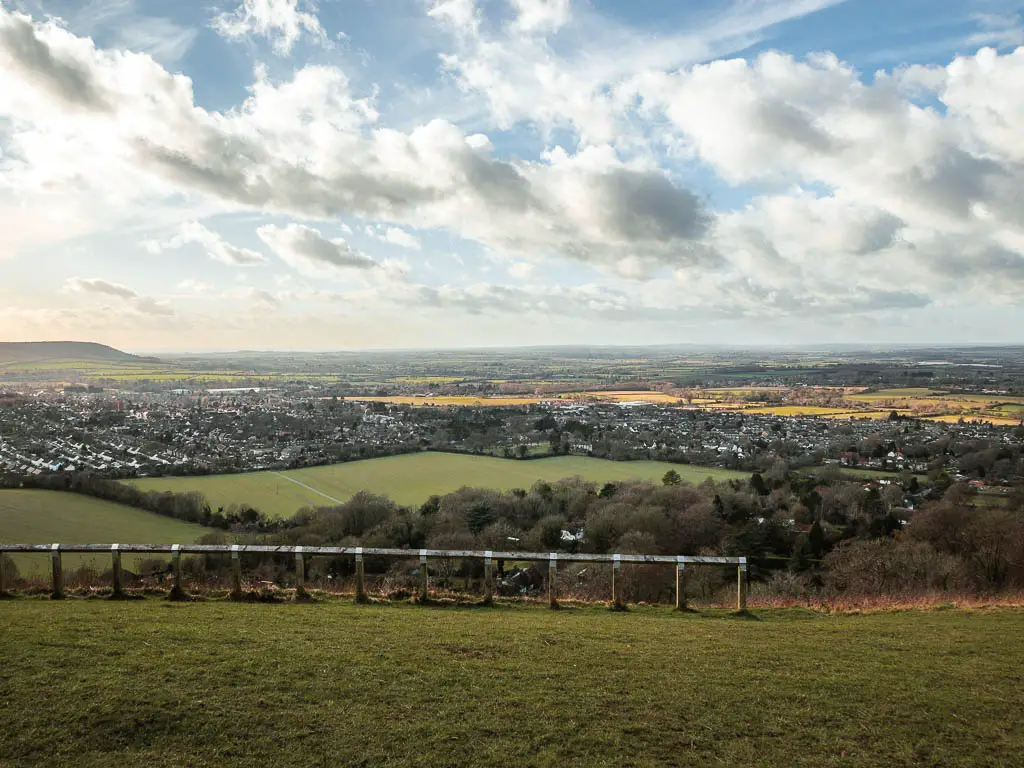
(804, 533)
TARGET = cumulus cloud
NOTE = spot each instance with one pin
(398, 236)
(874, 192)
(280, 21)
(521, 270)
(263, 298)
(305, 249)
(143, 305)
(103, 287)
(216, 247)
(540, 15)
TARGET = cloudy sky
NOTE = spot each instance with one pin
(270, 174)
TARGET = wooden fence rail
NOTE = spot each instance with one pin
(301, 553)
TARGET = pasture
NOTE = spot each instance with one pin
(95, 683)
(412, 478)
(40, 517)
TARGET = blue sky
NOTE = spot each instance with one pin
(418, 173)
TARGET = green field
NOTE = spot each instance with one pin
(411, 479)
(40, 517)
(94, 683)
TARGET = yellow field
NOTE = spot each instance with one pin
(950, 418)
(802, 410)
(626, 396)
(916, 402)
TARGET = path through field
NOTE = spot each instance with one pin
(308, 488)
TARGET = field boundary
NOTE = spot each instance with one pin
(488, 557)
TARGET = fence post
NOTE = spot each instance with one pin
(488, 579)
(300, 573)
(360, 581)
(176, 591)
(57, 571)
(680, 584)
(741, 585)
(616, 597)
(3, 574)
(115, 570)
(423, 576)
(553, 580)
(236, 572)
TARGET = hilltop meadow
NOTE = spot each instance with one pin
(95, 683)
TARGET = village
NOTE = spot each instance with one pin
(130, 434)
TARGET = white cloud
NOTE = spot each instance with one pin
(280, 21)
(398, 236)
(262, 297)
(521, 270)
(218, 249)
(143, 305)
(540, 15)
(194, 287)
(874, 193)
(306, 250)
(102, 287)
(461, 14)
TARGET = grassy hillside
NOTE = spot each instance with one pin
(98, 683)
(40, 517)
(412, 478)
(60, 350)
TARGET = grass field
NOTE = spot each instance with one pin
(411, 479)
(94, 683)
(40, 517)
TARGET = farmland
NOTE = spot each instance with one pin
(612, 396)
(411, 479)
(39, 517)
(858, 403)
(86, 682)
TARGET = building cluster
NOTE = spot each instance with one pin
(124, 434)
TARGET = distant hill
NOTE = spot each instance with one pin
(30, 351)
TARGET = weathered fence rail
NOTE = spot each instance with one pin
(423, 555)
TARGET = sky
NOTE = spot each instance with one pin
(347, 174)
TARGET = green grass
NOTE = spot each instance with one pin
(871, 474)
(95, 683)
(41, 517)
(412, 478)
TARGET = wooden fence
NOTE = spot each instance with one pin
(301, 553)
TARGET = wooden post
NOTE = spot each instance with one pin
(115, 570)
(488, 579)
(423, 576)
(616, 597)
(300, 573)
(553, 580)
(236, 572)
(360, 581)
(57, 571)
(176, 590)
(3, 573)
(680, 584)
(741, 585)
